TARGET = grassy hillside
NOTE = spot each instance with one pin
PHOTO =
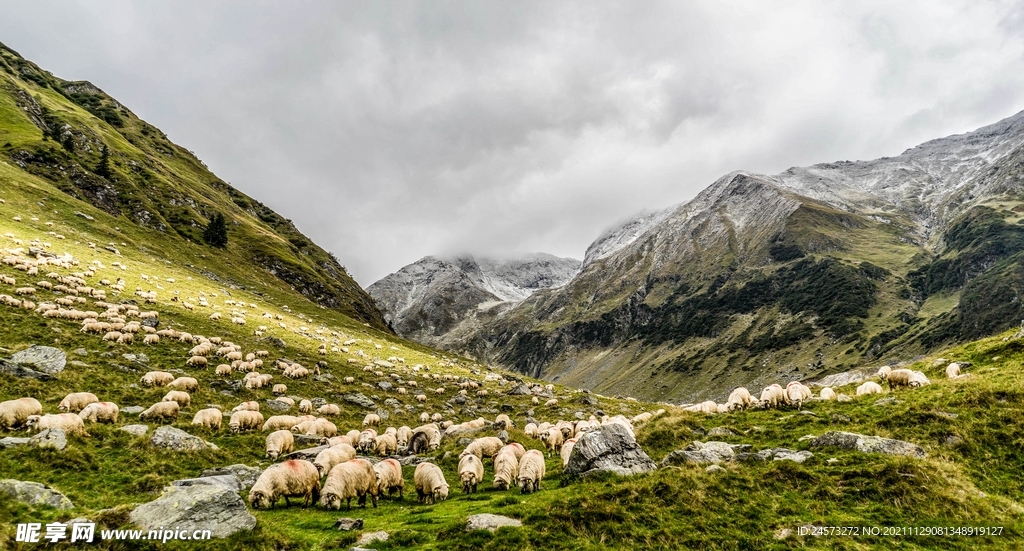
(58, 131)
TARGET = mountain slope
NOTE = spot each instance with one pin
(796, 275)
(58, 130)
(437, 301)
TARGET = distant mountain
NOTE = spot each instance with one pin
(761, 278)
(60, 132)
(436, 301)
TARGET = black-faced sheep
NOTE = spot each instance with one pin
(431, 486)
(389, 477)
(244, 421)
(280, 442)
(292, 478)
(334, 455)
(506, 468)
(353, 478)
(471, 472)
(797, 393)
(162, 411)
(531, 471)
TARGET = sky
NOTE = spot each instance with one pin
(389, 131)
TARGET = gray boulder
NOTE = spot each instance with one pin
(521, 390)
(347, 524)
(42, 358)
(133, 410)
(721, 431)
(34, 493)
(609, 448)
(371, 537)
(308, 454)
(277, 406)
(309, 440)
(8, 367)
(224, 480)
(244, 474)
(212, 507)
(11, 441)
(866, 444)
(586, 399)
(384, 385)
(703, 453)
(490, 522)
(135, 430)
(49, 438)
(775, 454)
(170, 438)
(359, 399)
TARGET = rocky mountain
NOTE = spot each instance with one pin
(813, 271)
(79, 140)
(439, 301)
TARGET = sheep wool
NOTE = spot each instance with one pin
(431, 486)
(280, 442)
(15, 413)
(210, 418)
(506, 468)
(292, 478)
(471, 472)
(531, 471)
(389, 477)
(100, 412)
(352, 479)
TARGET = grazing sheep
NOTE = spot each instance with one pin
(68, 422)
(280, 442)
(531, 471)
(389, 477)
(100, 412)
(772, 396)
(506, 468)
(184, 383)
(566, 451)
(430, 483)
(161, 410)
(210, 418)
(279, 389)
(278, 422)
(305, 406)
(243, 421)
(292, 478)
(883, 372)
(740, 398)
(504, 421)
(953, 370)
(371, 420)
(530, 430)
(353, 478)
(322, 427)
(471, 472)
(797, 393)
(385, 444)
(827, 394)
(553, 440)
(76, 401)
(918, 379)
(421, 397)
(151, 339)
(403, 435)
(247, 406)
(551, 402)
(15, 413)
(183, 398)
(196, 361)
(869, 387)
(483, 447)
(330, 409)
(334, 455)
(638, 419)
(157, 378)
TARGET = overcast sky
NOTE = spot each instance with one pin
(393, 130)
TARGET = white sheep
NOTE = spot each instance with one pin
(161, 410)
(334, 455)
(278, 422)
(869, 387)
(279, 442)
(797, 393)
(827, 394)
(471, 472)
(430, 483)
(566, 451)
(329, 409)
(322, 427)
(76, 401)
(189, 384)
(100, 412)
(157, 378)
(247, 406)
(183, 398)
(15, 413)
(488, 447)
(386, 444)
(68, 422)
(739, 398)
(531, 471)
(305, 406)
(953, 370)
(371, 420)
(245, 421)
(506, 468)
(353, 478)
(772, 396)
(389, 477)
(292, 478)
(210, 418)
(196, 361)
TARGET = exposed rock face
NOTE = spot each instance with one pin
(609, 448)
(359, 399)
(486, 521)
(175, 439)
(866, 444)
(436, 300)
(211, 507)
(11, 441)
(42, 358)
(49, 438)
(702, 453)
(244, 474)
(34, 493)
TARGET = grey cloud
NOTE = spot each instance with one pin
(393, 130)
